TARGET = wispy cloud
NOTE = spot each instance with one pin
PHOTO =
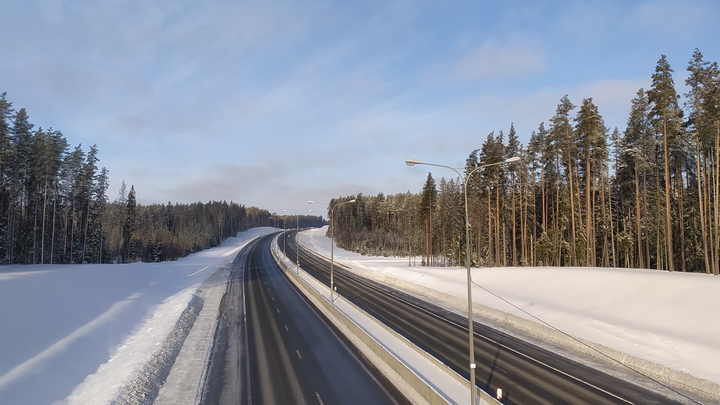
(258, 101)
(514, 58)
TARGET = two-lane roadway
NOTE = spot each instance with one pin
(527, 374)
(272, 347)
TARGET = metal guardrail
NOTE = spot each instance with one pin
(393, 368)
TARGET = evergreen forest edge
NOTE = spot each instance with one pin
(648, 198)
(54, 208)
(582, 195)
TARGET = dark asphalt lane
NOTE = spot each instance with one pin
(272, 347)
(527, 374)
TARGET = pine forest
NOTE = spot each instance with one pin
(645, 196)
(54, 208)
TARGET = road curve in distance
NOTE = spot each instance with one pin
(273, 347)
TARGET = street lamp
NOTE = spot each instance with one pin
(413, 162)
(332, 241)
(297, 242)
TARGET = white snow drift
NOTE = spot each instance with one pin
(80, 333)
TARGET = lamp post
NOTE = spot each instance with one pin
(297, 243)
(413, 162)
(273, 218)
(332, 241)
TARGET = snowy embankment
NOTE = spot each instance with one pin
(666, 322)
(82, 333)
(90, 333)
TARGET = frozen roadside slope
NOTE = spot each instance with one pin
(664, 318)
(78, 333)
(167, 345)
(187, 375)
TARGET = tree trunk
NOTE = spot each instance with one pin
(605, 262)
(52, 237)
(513, 237)
(499, 251)
(85, 232)
(638, 222)
(681, 215)
(716, 251)
(668, 216)
(589, 217)
(42, 233)
(490, 258)
(573, 242)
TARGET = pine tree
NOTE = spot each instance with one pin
(667, 116)
(563, 135)
(634, 176)
(492, 185)
(514, 148)
(545, 153)
(85, 188)
(49, 150)
(702, 103)
(116, 214)
(452, 221)
(591, 134)
(69, 190)
(98, 205)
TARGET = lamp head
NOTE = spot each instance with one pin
(412, 162)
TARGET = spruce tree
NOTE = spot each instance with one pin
(129, 227)
(21, 223)
(6, 112)
(426, 211)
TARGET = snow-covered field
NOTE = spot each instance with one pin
(77, 334)
(61, 325)
(667, 318)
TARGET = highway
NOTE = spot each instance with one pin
(527, 374)
(272, 347)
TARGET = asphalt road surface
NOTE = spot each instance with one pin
(272, 347)
(527, 374)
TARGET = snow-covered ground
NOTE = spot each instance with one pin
(63, 325)
(667, 318)
(78, 334)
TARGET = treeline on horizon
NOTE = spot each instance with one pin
(160, 232)
(582, 195)
(54, 208)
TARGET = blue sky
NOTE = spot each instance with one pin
(273, 103)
